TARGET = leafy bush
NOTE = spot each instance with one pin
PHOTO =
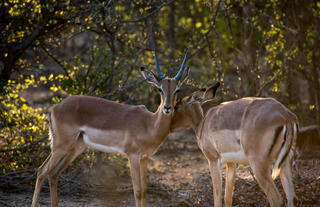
(21, 127)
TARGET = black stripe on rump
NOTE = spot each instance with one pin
(276, 135)
(290, 144)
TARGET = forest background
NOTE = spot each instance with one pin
(57, 48)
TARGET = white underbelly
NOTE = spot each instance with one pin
(227, 144)
(111, 141)
(234, 157)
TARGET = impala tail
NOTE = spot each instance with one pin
(289, 132)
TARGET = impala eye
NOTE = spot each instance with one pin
(177, 90)
(160, 90)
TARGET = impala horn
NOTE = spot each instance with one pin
(178, 76)
(161, 76)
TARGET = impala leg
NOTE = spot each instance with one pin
(143, 176)
(215, 172)
(136, 179)
(262, 174)
(53, 181)
(286, 181)
(43, 171)
(229, 187)
(54, 174)
(40, 179)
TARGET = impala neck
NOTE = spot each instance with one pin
(197, 122)
(161, 126)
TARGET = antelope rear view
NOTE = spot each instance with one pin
(255, 131)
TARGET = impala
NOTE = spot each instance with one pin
(255, 131)
(81, 122)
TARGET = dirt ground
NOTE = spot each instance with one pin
(178, 176)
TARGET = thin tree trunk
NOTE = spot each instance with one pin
(171, 35)
(247, 73)
(316, 86)
(316, 68)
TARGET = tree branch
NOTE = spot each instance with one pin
(56, 61)
(284, 61)
(148, 15)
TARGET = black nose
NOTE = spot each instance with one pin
(167, 109)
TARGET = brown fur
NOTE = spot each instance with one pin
(257, 120)
(81, 121)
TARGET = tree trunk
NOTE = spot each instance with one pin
(248, 78)
(316, 86)
(171, 36)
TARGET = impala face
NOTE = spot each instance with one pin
(168, 90)
(168, 87)
(188, 111)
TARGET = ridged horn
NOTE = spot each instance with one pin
(178, 76)
(161, 76)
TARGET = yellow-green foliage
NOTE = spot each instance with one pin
(20, 125)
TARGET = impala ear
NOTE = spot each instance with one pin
(197, 96)
(184, 76)
(150, 76)
(205, 94)
(211, 92)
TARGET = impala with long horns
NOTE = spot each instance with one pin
(255, 131)
(82, 122)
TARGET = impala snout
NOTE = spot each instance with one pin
(167, 109)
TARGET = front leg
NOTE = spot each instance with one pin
(229, 184)
(215, 172)
(143, 179)
(136, 179)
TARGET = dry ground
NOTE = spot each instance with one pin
(178, 176)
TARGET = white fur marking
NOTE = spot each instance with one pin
(97, 146)
(52, 128)
(234, 157)
(192, 100)
(161, 88)
(219, 163)
(101, 147)
(294, 129)
(276, 170)
(175, 90)
(51, 137)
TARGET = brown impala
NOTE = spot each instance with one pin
(255, 131)
(81, 122)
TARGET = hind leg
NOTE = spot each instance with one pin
(40, 179)
(287, 184)
(261, 170)
(54, 174)
(48, 165)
